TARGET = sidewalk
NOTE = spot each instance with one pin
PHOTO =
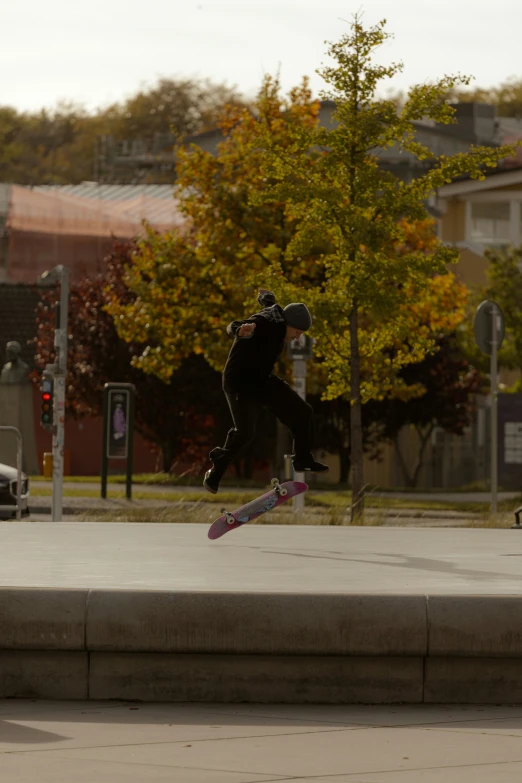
(108, 742)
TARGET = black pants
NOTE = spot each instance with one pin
(276, 396)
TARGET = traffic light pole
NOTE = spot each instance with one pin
(56, 388)
(60, 373)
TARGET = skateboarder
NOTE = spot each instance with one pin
(250, 385)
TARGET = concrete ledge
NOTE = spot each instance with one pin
(44, 675)
(255, 678)
(473, 680)
(254, 623)
(475, 625)
(42, 619)
(259, 647)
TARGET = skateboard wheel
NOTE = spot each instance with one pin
(274, 482)
(223, 511)
(283, 492)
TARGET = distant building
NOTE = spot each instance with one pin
(74, 225)
(479, 214)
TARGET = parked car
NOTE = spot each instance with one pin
(8, 478)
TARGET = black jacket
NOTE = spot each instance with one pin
(251, 359)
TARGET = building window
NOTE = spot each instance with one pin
(490, 223)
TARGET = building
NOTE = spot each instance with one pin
(480, 214)
(44, 226)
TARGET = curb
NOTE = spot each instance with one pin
(159, 645)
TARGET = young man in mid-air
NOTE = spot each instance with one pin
(249, 384)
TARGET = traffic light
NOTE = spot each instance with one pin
(46, 395)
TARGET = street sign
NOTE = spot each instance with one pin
(482, 325)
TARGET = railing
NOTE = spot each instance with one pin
(5, 428)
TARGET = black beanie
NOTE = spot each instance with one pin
(298, 316)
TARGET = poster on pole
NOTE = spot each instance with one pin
(118, 423)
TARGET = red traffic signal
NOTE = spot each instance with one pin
(46, 413)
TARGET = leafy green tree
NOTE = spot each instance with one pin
(424, 392)
(189, 286)
(176, 107)
(63, 145)
(48, 147)
(362, 308)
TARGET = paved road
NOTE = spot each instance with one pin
(262, 558)
(441, 497)
(114, 742)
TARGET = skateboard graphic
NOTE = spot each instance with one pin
(279, 493)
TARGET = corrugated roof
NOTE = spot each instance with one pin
(111, 192)
(90, 209)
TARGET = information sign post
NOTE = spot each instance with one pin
(118, 430)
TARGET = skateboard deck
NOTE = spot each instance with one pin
(255, 508)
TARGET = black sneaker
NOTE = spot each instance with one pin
(300, 466)
(215, 455)
(211, 481)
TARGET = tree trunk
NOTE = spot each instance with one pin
(423, 443)
(356, 433)
(344, 458)
(167, 456)
(412, 479)
(402, 463)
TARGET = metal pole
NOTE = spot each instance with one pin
(130, 444)
(60, 375)
(104, 442)
(18, 475)
(494, 408)
(300, 387)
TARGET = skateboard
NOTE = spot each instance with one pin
(279, 493)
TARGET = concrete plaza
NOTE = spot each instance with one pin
(261, 558)
(110, 742)
(266, 614)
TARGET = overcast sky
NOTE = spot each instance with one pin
(101, 51)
